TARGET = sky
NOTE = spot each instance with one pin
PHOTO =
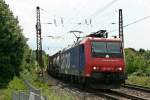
(102, 13)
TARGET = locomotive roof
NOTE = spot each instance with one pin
(91, 38)
(88, 39)
(105, 39)
(100, 39)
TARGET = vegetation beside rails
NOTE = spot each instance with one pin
(50, 92)
(138, 66)
(2, 94)
(139, 80)
(17, 84)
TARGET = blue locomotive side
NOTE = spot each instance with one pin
(72, 61)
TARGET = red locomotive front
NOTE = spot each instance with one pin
(104, 60)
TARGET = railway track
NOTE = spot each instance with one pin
(86, 93)
(116, 95)
(105, 94)
(128, 96)
(136, 87)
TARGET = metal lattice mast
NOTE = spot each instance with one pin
(39, 40)
(121, 26)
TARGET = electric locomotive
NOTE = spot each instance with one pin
(95, 60)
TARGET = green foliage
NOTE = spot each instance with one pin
(45, 59)
(130, 56)
(2, 94)
(52, 93)
(137, 62)
(30, 63)
(48, 91)
(16, 84)
(12, 45)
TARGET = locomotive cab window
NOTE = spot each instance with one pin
(114, 47)
(101, 49)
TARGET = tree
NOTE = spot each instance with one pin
(130, 55)
(137, 61)
(141, 51)
(12, 45)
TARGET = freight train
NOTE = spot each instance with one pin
(95, 60)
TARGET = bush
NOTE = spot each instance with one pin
(137, 61)
(16, 84)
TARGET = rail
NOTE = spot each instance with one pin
(137, 87)
(129, 96)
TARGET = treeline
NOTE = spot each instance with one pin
(15, 55)
(137, 61)
(12, 45)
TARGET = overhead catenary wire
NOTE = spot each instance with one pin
(94, 14)
(134, 22)
(109, 5)
(90, 18)
(77, 13)
(101, 20)
(139, 20)
(62, 20)
(99, 11)
(54, 19)
(103, 9)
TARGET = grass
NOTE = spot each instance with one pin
(48, 91)
(2, 94)
(51, 93)
(16, 85)
(139, 80)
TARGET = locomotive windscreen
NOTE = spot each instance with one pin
(112, 49)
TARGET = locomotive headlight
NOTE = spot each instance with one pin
(94, 68)
(119, 68)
